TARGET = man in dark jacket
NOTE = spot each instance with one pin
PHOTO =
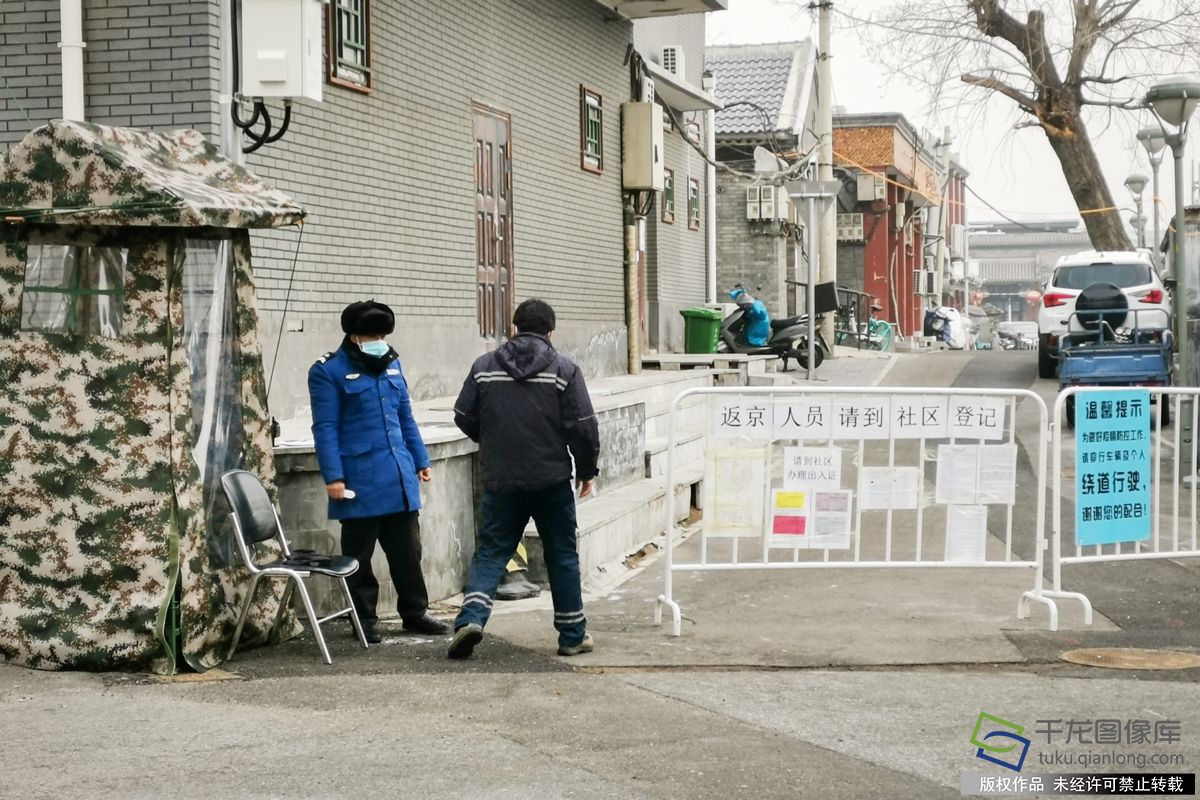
(372, 457)
(527, 406)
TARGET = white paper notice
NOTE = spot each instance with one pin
(733, 498)
(862, 417)
(971, 474)
(979, 418)
(957, 473)
(997, 474)
(889, 487)
(814, 467)
(831, 525)
(919, 417)
(741, 418)
(804, 418)
(966, 534)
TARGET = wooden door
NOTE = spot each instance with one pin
(493, 224)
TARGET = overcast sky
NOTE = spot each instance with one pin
(1015, 171)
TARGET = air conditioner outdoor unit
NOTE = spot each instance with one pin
(900, 211)
(672, 59)
(957, 242)
(871, 187)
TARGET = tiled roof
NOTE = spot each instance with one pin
(754, 73)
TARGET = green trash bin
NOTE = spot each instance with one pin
(701, 329)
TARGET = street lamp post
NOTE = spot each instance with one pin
(1138, 223)
(1174, 102)
(1136, 184)
(1153, 141)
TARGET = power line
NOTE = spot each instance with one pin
(998, 211)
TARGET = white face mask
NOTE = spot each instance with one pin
(376, 348)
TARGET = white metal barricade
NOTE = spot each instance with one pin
(1108, 462)
(761, 512)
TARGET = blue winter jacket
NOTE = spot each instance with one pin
(365, 435)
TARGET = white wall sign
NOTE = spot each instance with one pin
(741, 418)
(863, 417)
(805, 418)
(920, 417)
(976, 418)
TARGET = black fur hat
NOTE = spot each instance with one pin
(368, 318)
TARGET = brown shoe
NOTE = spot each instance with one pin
(586, 646)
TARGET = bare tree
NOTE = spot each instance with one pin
(1053, 59)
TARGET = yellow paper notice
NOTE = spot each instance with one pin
(789, 499)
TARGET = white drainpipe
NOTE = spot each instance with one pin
(710, 194)
(72, 44)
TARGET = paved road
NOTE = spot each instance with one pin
(749, 703)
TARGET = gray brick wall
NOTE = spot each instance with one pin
(675, 254)
(387, 178)
(746, 252)
(147, 64)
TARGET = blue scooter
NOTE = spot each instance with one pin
(788, 337)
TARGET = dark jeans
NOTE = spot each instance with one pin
(505, 515)
(400, 537)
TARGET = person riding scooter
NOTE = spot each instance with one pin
(757, 326)
(749, 329)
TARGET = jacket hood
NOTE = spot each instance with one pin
(525, 355)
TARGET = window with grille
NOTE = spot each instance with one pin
(668, 196)
(75, 290)
(591, 129)
(349, 41)
(694, 203)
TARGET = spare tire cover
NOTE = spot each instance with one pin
(1101, 301)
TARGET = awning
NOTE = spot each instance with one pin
(640, 9)
(678, 94)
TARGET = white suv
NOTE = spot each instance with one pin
(1133, 272)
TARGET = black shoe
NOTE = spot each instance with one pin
(464, 641)
(371, 633)
(426, 624)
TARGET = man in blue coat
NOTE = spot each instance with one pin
(528, 408)
(372, 457)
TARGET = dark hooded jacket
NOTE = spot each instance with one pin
(526, 406)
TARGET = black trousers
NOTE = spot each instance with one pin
(400, 537)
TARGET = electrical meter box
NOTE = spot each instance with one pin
(642, 146)
(281, 53)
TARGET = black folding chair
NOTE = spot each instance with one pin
(254, 521)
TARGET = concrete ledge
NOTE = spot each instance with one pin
(615, 524)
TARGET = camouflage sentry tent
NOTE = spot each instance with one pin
(130, 377)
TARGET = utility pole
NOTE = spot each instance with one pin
(939, 259)
(828, 246)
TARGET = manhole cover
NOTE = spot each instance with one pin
(1131, 658)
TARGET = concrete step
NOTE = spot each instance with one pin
(691, 414)
(689, 449)
(649, 388)
(618, 523)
